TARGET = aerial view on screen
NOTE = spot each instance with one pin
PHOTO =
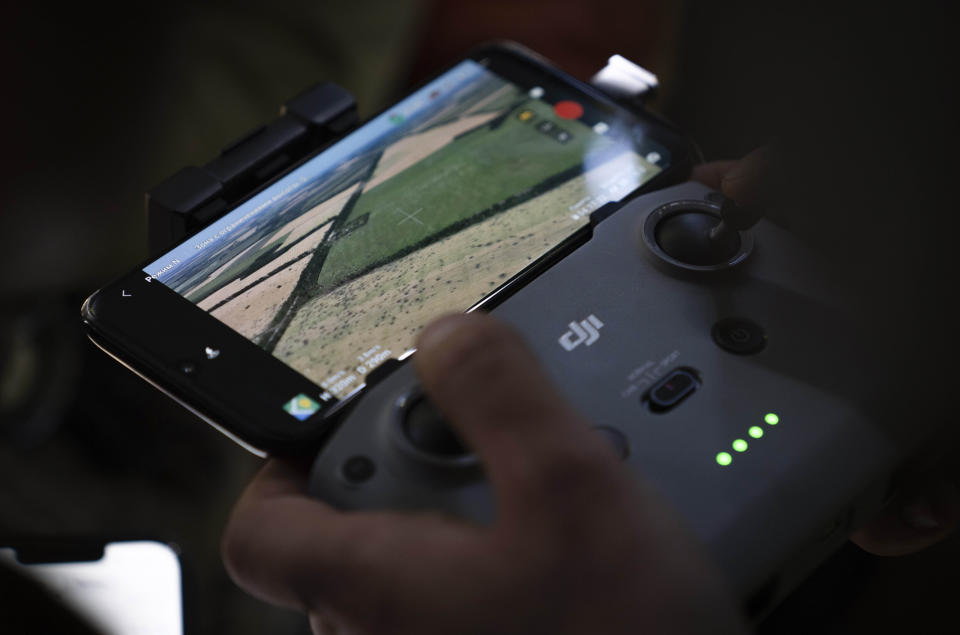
(426, 209)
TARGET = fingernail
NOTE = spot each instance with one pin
(919, 514)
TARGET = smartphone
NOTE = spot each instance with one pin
(273, 318)
(122, 587)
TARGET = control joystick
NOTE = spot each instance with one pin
(734, 218)
(423, 437)
(428, 432)
(701, 235)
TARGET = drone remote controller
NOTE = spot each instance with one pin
(718, 362)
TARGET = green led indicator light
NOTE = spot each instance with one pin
(741, 445)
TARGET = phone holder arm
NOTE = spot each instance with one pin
(196, 196)
(626, 81)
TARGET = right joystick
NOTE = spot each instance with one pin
(701, 235)
(733, 219)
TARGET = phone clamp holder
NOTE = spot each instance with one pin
(196, 196)
(625, 81)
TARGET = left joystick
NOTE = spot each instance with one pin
(428, 432)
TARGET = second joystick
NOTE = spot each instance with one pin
(700, 234)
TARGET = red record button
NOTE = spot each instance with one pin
(568, 109)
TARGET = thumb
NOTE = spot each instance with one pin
(747, 181)
(920, 516)
(482, 377)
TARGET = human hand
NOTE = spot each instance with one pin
(578, 545)
(927, 508)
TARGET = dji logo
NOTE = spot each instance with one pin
(585, 332)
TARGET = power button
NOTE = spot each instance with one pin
(739, 335)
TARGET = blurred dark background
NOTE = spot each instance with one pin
(101, 104)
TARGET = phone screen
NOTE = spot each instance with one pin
(133, 589)
(425, 209)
